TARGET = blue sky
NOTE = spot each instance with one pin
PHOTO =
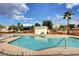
(31, 13)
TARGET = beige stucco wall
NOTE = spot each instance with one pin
(39, 30)
(4, 30)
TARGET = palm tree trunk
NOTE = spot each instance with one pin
(68, 28)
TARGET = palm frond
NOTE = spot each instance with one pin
(64, 17)
(69, 17)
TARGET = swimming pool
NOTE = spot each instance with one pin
(41, 43)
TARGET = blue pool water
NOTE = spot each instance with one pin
(40, 43)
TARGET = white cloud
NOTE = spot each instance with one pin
(71, 5)
(27, 24)
(10, 9)
(75, 21)
(49, 17)
(59, 16)
(78, 10)
(60, 3)
(21, 17)
(10, 20)
(14, 10)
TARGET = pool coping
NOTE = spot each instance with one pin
(49, 51)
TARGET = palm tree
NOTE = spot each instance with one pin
(67, 15)
(20, 27)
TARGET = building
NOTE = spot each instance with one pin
(4, 29)
(41, 30)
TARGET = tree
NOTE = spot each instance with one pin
(16, 28)
(27, 28)
(13, 28)
(72, 26)
(37, 24)
(47, 23)
(20, 27)
(32, 27)
(62, 26)
(78, 25)
(67, 16)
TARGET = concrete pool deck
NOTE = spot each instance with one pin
(17, 51)
(7, 49)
